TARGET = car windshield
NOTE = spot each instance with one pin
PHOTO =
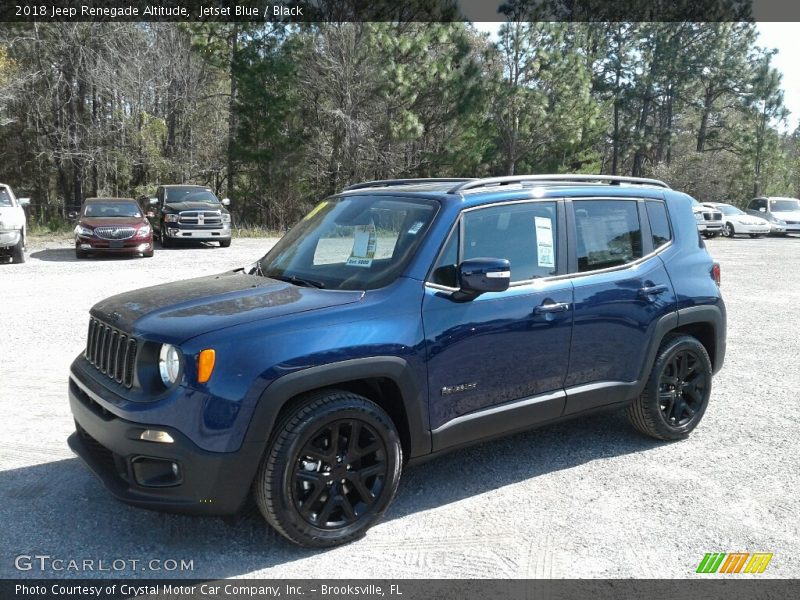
(727, 209)
(350, 243)
(190, 194)
(5, 197)
(106, 210)
(784, 204)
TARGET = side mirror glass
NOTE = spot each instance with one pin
(150, 214)
(153, 201)
(479, 275)
(72, 215)
(24, 201)
(226, 202)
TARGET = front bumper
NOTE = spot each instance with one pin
(792, 227)
(129, 246)
(9, 238)
(209, 483)
(185, 233)
(714, 226)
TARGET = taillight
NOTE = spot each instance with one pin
(715, 274)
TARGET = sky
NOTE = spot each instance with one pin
(783, 37)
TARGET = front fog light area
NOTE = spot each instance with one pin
(169, 364)
(156, 472)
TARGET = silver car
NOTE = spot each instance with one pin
(783, 214)
(739, 222)
(12, 225)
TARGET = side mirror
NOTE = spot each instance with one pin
(479, 275)
(150, 214)
(24, 201)
(72, 215)
(762, 209)
(226, 202)
(153, 201)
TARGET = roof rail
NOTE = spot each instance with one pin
(392, 182)
(561, 178)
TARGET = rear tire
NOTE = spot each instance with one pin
(18, 251)
(677, 392)
(331, 470)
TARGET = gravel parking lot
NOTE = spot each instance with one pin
(586, 498)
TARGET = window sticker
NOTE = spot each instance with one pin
(544, 242)
(415, 228)
(364, 242)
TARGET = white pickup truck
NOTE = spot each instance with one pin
(12, 225)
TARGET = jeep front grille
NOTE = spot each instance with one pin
(114, 233)
(112, 352)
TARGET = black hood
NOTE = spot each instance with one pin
(179, 206)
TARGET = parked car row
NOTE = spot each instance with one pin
(125, 226)
(13, 228)
(764, 216)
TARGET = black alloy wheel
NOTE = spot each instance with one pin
(682, 388)
(729, 230)
(331, 470)
(676, 394)
(339, 473)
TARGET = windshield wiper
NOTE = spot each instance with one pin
(300, 281)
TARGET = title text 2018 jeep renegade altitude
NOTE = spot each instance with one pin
(398, 319)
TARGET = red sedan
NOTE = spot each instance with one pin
(112, 226)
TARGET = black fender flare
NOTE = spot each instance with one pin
(706, 313)
(279, 392)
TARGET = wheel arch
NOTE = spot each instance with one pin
(706, 323)
(388, 381)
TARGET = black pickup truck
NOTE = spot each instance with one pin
(190, 213)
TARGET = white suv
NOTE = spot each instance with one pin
(12, 225)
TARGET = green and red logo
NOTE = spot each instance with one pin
(734, 562)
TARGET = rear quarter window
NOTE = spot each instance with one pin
(659, 223)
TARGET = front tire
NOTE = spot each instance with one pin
(729, 230)
(225, 244)
(331, 470)
(18, 251)
(677, 392)
(163, 238)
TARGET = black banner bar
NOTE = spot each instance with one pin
(733, 587)
(300, 11)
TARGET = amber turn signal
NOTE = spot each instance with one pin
(205, 365)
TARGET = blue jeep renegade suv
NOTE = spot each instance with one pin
(399, 319)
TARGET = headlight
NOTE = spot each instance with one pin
(698, 217)
(169, 364)
(85, 231)
(143, 231)
(172, 218)
(226, 217)
(780, 221)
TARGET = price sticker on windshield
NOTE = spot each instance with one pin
(365, 241)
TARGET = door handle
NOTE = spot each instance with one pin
(653, 290)
(555, 307)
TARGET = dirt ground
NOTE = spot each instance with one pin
(586, 498)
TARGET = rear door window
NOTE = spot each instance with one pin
(608, 233)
